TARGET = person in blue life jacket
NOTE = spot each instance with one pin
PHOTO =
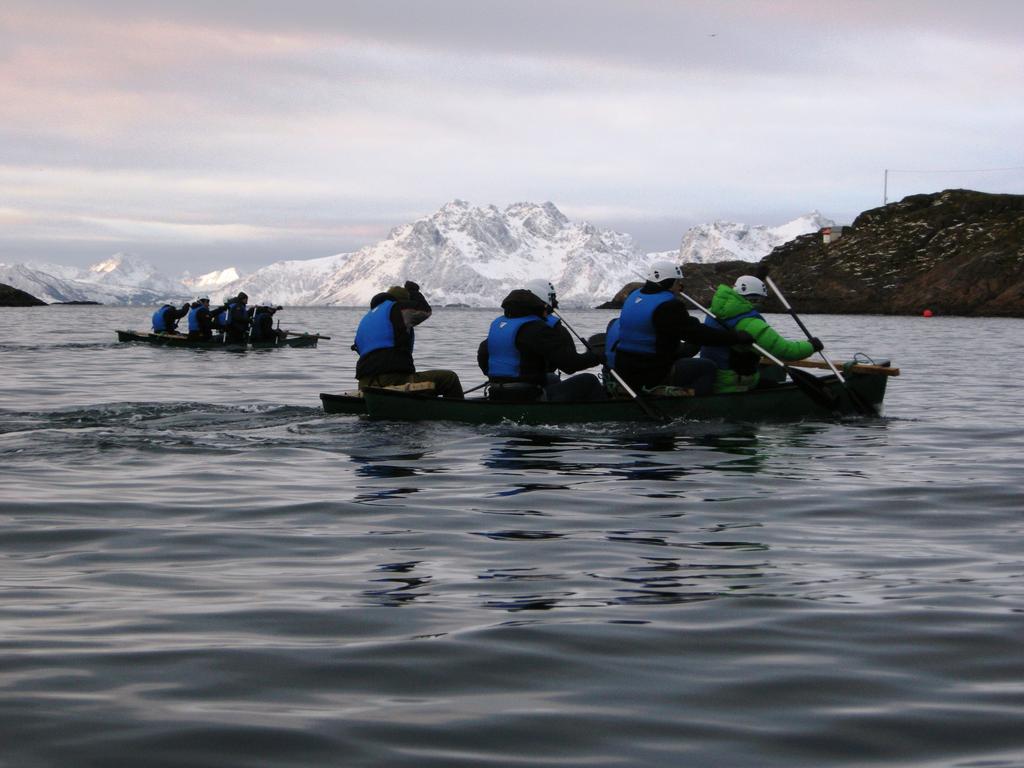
(527, 344)
(219, 317)
(200, 319)
(653, 321)
(735, 308)
(262, 329)
(385, 338)
(165, 319)
(236, 319)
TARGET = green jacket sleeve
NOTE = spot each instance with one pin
(767, 337)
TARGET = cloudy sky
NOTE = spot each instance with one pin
(204, 134)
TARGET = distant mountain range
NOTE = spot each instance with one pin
(460, 255)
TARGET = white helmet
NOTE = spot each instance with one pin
(543, 290)
(748, 285)
(664, 270)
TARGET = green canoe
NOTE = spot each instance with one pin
(217, 342)
(771, 403)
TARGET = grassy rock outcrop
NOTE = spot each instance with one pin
(956, 252)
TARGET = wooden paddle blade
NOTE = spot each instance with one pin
(862, 406)
(814, 388)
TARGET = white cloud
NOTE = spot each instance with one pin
(151, 121)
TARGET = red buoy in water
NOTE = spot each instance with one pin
(926, 313)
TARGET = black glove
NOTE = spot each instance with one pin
(742, 337)
(816, 343)
(411, 287)
(186, 305)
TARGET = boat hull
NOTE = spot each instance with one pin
(217, 342)
(348, 403)
(774, 403)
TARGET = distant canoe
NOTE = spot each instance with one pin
(217, 342)
(781, 402)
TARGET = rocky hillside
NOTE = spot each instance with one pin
(12, 297)
(956, 252)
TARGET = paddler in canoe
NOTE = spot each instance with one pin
(262, 329)
(235, 319)
(735, 308)
(165, 319)
(385, 338)
(525, 345)
(200, 319)
(643, 343)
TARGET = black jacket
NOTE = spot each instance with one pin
(541, 348)
(405, 315)
(262, 325)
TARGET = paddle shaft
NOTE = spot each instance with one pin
(807, 333)
(858, 402)
(303, 333)
(618, 378)
(647, 408)
(809, 384)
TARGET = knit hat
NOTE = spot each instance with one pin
(398, 292)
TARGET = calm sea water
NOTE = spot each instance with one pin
(199, 568)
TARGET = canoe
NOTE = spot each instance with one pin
(781, 402)
(348, 403)
(217, 342)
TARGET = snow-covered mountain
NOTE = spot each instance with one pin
(121, 279)
(728, 241)
(466, 255)
(211, 282)
(459, 255)
(291, 283)
(45, 285)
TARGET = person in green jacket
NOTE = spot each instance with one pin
(736, 309)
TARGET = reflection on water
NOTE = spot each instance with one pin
(203, 574)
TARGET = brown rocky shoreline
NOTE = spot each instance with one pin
(956, 252)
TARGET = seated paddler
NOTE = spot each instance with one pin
(200, 319)
(165, 319)
(385, 338)
(237, 319)
(262, 329)
(645, 344)
(526, 346)
(735, 308)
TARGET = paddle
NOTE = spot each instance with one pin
(806, 382)
(304, 333)
(649, 410)
(862, 407)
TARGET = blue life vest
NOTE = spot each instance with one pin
(193, 319)
(552, 320)
(611, 343)
(159, 321)
(376, 330)
(221, 320)
(503, 358)
(636, 321)
(720, 355)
